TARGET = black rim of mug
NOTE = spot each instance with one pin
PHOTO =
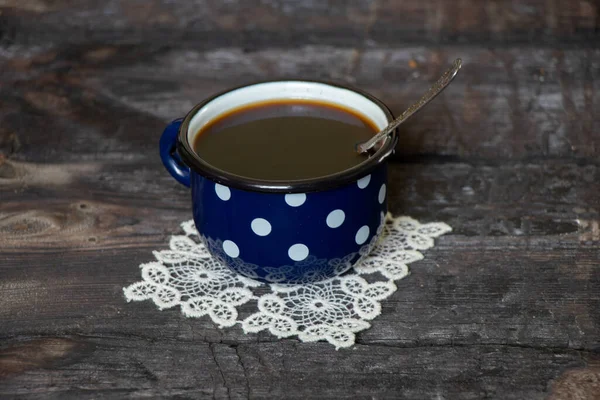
(192, 160)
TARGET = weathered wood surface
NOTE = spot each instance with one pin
(252, 23)
(507, 306)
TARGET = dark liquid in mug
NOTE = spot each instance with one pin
(284, 140)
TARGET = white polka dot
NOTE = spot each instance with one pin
(362, 235)
(382, 194)
(223, 192)
(298, 252)
(231, 249)
(364, 182)
(296, 199)
(261, 226)
(335, 218)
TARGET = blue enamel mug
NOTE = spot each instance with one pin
(286, 232)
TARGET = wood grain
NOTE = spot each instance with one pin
(507, 306)
(238, 371)
(514, 286)
(254, 23)
(514, 103)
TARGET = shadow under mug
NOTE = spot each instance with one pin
(286, 232)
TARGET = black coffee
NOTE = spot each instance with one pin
(284, 140)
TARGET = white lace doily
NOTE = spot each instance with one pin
(332, 310)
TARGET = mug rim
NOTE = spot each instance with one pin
(201, 167)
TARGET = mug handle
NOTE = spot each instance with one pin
(169, 156)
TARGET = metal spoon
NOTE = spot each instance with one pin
(433, 91)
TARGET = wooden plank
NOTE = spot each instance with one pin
(513, 103)
(486, 295)
(541, 201)
(130, 366)
(256, 23)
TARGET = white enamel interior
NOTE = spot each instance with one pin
(285, 90)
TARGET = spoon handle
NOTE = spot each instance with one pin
(433, 91)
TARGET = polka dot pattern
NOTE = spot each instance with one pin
(362, 235)
(223, 192)
(295, 199)
(231, 249)
(335, 219)
(290, 237)
(364, 182)
(382, 192)
(261, 226)
(298, 252)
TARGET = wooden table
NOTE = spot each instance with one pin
(507, 306)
